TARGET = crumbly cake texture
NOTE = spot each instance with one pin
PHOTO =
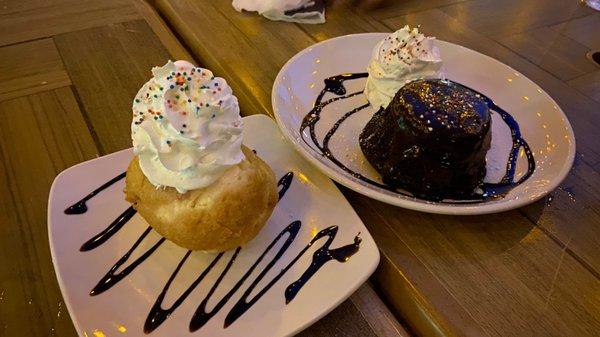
(222, 216)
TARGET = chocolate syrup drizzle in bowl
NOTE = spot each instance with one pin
(487, 191)
(157, 314)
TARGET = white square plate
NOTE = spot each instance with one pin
(312, 198)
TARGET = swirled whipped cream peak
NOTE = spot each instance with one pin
(186, 128)
(403, 56)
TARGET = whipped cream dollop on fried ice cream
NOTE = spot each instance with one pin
(403, 56)
(191, 178)
(186, 127)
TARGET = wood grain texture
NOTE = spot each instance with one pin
(583, 30)
(376, 314)
(409, 286)
(108, 73)
(559, 55)
(16, 6)
(162, 32)
(514, 272)
(45, 19)
(362, 315)
(337, 23)
(250, 61)
(40, 135)
(345, 320)
(392, 8)
(178, 14)
(588, 84)
(497, 18)
(570, 215)
(507, 274)
(29, 68)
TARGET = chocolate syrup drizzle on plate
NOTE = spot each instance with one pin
(158, 315)
(335, 85)
(112, 277)
(111, 230)
(80, 207)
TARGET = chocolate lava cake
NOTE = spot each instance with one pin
(431, 140)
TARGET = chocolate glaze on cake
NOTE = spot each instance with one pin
(431, 140)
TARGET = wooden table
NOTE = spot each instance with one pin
(69, 70)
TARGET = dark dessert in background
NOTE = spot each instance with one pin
(431, 140)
